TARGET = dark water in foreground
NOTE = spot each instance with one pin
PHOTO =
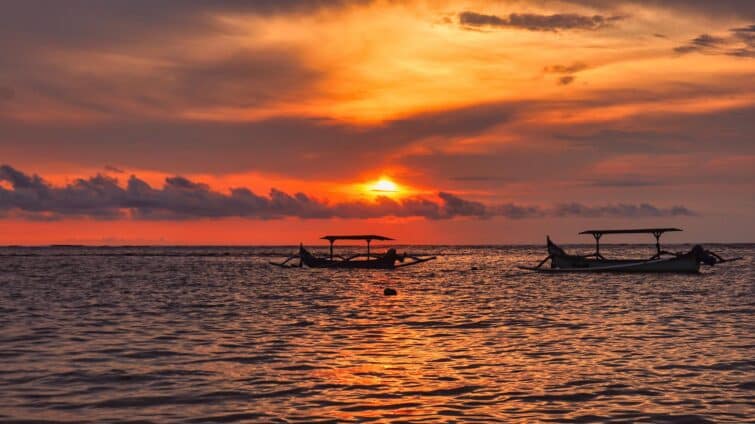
(216, 335)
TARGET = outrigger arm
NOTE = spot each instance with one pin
(417, 260)
(283, 264)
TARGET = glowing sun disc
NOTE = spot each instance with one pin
(384, 185)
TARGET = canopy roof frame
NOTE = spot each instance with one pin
(632, 231)
(656, 232)
(368, 238)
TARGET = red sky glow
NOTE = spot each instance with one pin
(472, 122)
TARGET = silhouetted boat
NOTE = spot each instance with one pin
(388, 260)
(661, 261)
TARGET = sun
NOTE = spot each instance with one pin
(381, 187)
(384, 185)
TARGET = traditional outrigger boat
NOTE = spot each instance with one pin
(388, 260)
(661, 261)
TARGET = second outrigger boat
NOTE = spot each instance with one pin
(389, 260)
(661, 261)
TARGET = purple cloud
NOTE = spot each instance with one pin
(101, 197)
(535, 22)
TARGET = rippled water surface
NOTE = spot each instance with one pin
(217, 335)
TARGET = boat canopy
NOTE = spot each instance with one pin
(631, 231)
(656, 232)
(368, 237)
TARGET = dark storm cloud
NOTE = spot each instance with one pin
(566, 80)
(535, 22)
(101, 197)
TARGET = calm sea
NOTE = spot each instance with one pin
(194, 334)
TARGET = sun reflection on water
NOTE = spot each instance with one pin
(225, 337)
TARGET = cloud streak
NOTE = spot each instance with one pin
(536, 22)
(566, 71)
(623, 210)
(739, 42)
(101, 197)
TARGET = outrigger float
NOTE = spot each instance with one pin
(661, 261)
(388, 260)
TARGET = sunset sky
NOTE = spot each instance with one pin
(274, 122)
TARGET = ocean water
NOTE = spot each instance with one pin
(193, 334)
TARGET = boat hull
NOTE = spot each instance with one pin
(679, 264)
(367, 264)
(672, 262)
(387, 261)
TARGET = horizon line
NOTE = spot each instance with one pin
(64, 245)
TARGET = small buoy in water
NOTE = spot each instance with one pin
(389, 292)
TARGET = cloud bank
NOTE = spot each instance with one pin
(102, 197)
